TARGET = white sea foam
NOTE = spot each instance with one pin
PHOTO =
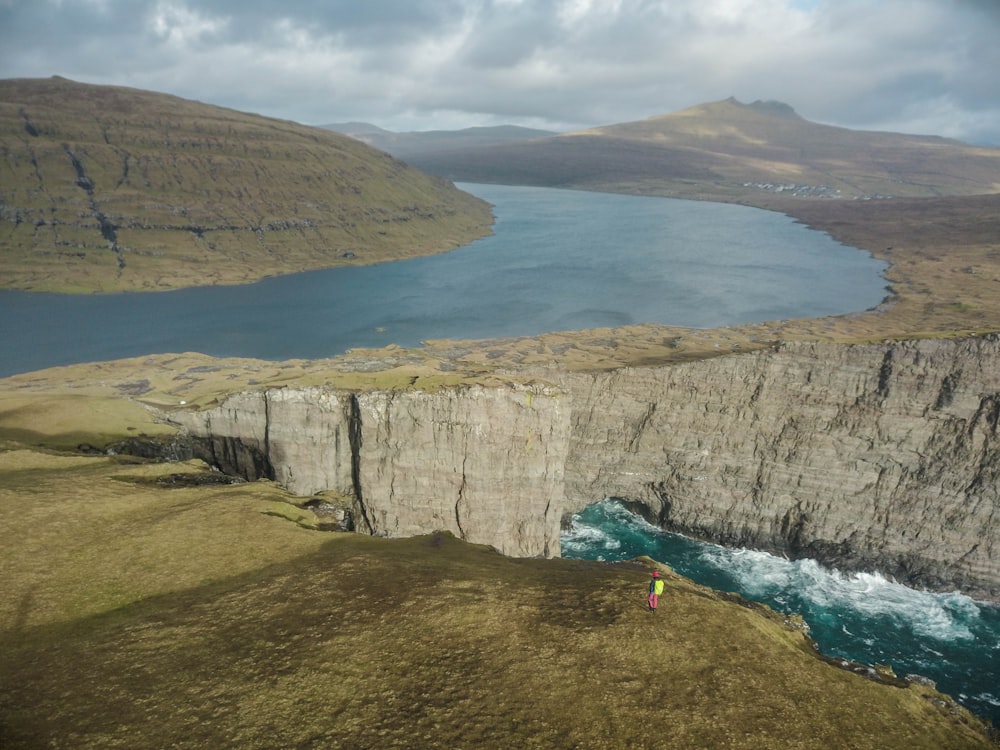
(581, 536)
(993, 700)
(948, 637)
(623, 517)
(931, 651)
(584, 536)
(939, 616)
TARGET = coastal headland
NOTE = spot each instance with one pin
(201, 607)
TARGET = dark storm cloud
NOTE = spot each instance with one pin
(910, 65)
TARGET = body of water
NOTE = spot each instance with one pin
(863, 617)
(559, 260)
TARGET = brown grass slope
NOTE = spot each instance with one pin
(714, 150)
(139, 612)
(106, 188)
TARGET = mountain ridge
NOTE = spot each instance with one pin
(407, 144)
(731, 151)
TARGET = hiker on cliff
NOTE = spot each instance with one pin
(655, 589)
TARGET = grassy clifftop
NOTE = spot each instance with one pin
(140, 612)
(106, 189)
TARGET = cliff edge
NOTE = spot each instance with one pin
(868, 456)
(484, 463)
(881, 456)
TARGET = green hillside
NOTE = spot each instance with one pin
(106, 188)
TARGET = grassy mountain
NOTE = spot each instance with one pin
(107, 188)
(415, 144)
(731, 151)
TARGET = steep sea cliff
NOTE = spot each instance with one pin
(880, 456)
(877, 457)
(483, 463)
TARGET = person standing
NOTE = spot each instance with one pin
(655, 589)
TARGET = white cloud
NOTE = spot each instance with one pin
(422, 64)
(181, 27)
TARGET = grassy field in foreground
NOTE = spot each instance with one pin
(144, 615)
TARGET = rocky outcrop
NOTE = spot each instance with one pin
(881, 456)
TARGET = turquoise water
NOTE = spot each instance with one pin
(864, 617)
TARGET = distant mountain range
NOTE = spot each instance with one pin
(722, 150)
(411, 145)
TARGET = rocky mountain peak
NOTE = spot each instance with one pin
(773, 107)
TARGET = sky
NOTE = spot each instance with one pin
(914, 66)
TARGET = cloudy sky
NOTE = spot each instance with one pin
(917, 66)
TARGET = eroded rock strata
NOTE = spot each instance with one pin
(483, 463)
(879, 456)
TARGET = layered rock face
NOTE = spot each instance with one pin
(483, 463)
(864, 456)
(882, 457)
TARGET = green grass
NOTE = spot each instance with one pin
(140, 613)
(138, 616)
(66, 421)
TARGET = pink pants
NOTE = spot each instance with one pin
(653, 600)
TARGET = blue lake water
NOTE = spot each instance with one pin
(948, 638)
(559, 260)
